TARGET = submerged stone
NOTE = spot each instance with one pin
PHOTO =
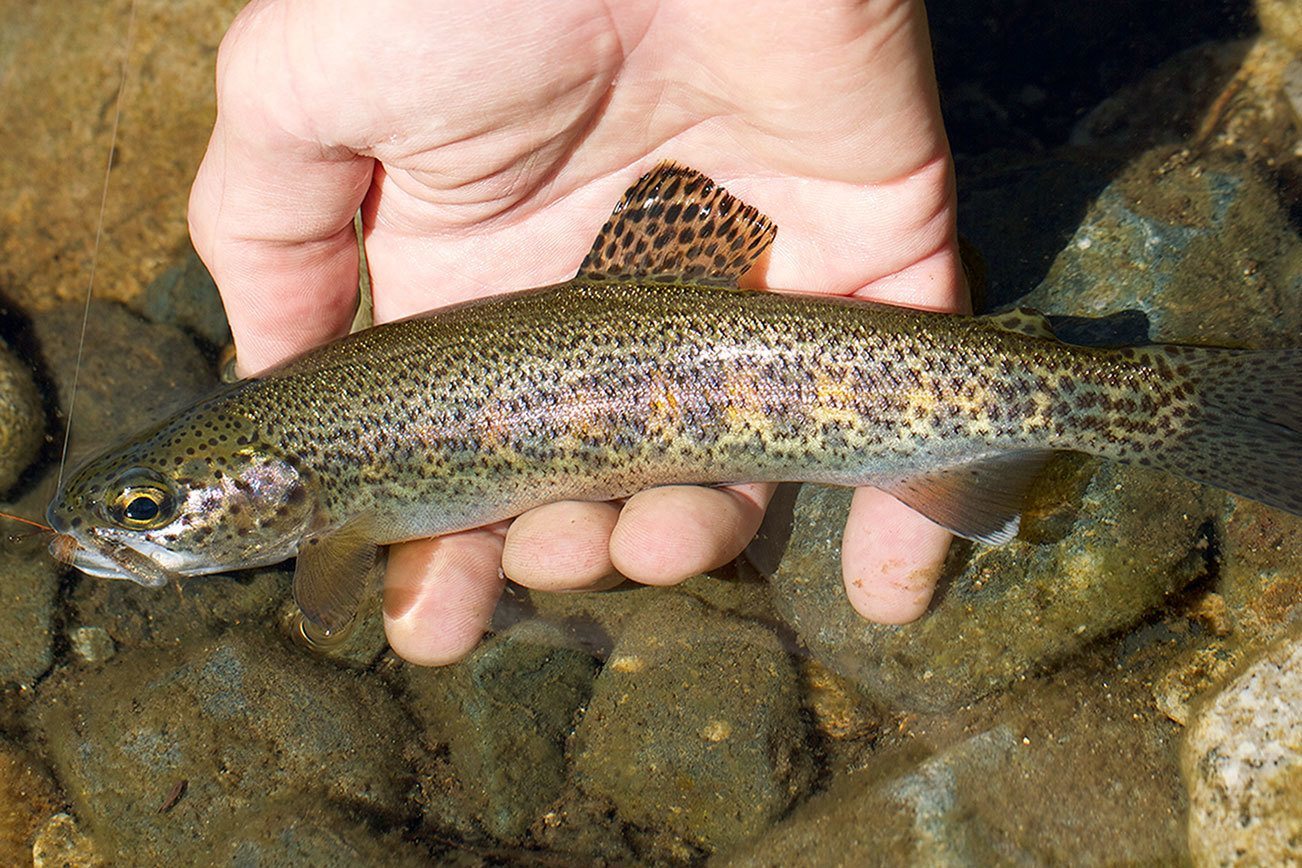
(131, 371)
(1243, 764)
(1001, 613)
(695, 727)
(22, 418)
(226, 723)
(504, 715)
(27, 800)
(29, 585)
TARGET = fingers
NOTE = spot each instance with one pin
(668, 534)
(562, 546)
(891, 558)
(439, 595)
(660, 537)
(271, 209)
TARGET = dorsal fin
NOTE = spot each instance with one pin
(677, 226)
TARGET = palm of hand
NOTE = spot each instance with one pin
(487, 162)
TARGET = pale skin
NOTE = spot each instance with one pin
(486, 143)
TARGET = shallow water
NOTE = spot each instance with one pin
(1039, 713)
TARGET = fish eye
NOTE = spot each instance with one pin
(141, 507)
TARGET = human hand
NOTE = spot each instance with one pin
(486, 144)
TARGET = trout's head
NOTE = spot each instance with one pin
(201, 493)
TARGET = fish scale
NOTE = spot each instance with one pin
(651, 368)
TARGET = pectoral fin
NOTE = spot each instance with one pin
(333, 572)
(674, 226)
(981, 500)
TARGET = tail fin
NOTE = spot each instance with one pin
(1246, 436)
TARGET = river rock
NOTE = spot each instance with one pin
(503, 716)
(58, 135)
(27, 800)
(1079, 769)
(225, 723)
(61, 843)
(186, 296)
(1243, 764)
(22, 418)
(1201, 246)
(29, 585)
(131, 371)
(303, 830)
(1260, 575)
(596, 620)
(1002, 613)
(137, 617)
(695, 726)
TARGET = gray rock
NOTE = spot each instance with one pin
(1242, 761)
(1260, 575)
(240, 719)
(29, 584)
(695, 727)
(186, 296)
(22, 419)
(1002, 613)
(1202, 247)
(304, 830)
(91, 644)
(1075, 770)
(132, 371)
(61, 843)
(138, 617)
(504, 715)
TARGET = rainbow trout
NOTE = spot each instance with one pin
(651, 367)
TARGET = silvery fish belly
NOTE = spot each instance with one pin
(652, 367)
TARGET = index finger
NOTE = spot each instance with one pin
(271, 210)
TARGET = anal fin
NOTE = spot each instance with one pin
(333, 572)
(980, 500)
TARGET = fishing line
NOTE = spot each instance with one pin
(99, 234)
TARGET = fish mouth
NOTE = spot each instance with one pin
(107, 557)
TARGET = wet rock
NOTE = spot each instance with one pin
(1002, 613)
(27, 799)
(60, 843)
(239, 719)
(504, 715)
(132, 371)
(56, 124)
(1243, 764)
(136, 617)
(839, 708)
(186, 296)
(913, 814)
(596, 620)
(1281, 20)
(1260, 576)
(1078, 769)
(306, 831)
(1201, 246)
(695, 727)
(1190, 675)
(29, 584)
(22, 418)
(91, 644)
